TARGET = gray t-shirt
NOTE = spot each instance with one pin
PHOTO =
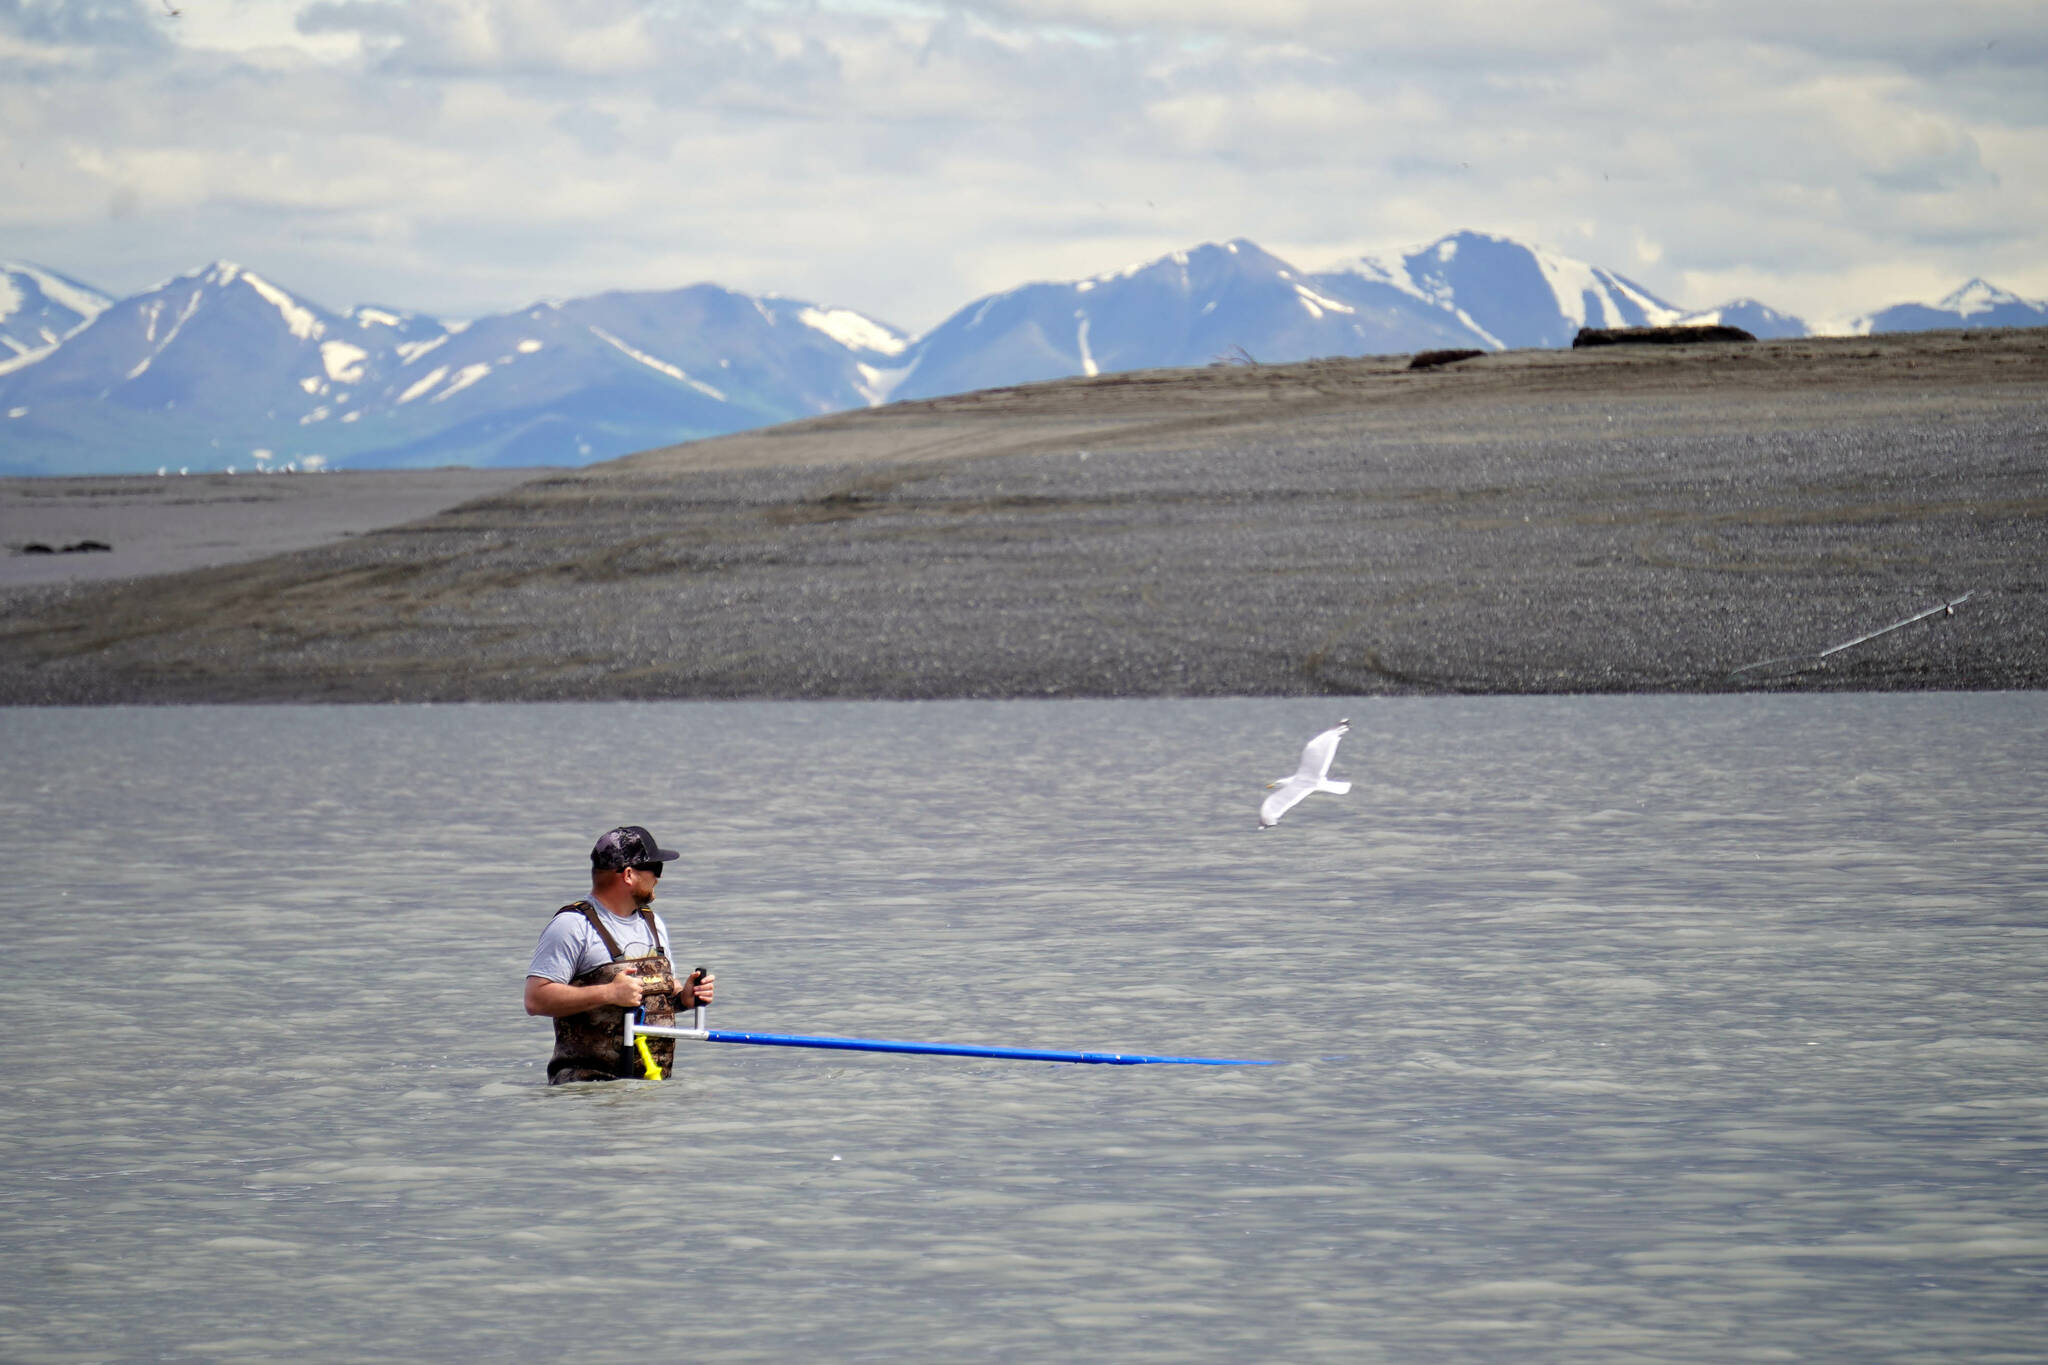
(569, 946)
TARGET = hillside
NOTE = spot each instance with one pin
(1630, 519)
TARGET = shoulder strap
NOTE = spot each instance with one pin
(590, 913)
(653, 932)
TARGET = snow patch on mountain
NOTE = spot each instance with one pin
(464, 377)
(1317, 304)
(298, 319)
(87, 303)
(1581, 290)
(653, 363)
(152, 315)
(39, 309)
(1391, 271)
(877, 383)
(24, 359)
(853, 330)
(409, 351)
(425, 382)
(343, 362)
(1471, 324)
(1655, 311)
(1398, 271)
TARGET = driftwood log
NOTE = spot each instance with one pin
(1429, 360)
(1656, 336)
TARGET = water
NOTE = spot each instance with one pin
(1616, 1029)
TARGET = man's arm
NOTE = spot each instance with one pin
(556, 999)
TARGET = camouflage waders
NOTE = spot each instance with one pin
(591, 1046)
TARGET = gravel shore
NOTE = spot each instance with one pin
(1688, 518)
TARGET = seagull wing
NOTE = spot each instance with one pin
(1284, 798)
(1318, 753)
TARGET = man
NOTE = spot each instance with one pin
(604, 955)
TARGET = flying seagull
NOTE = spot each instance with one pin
(1312, 776)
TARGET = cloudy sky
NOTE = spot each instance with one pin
(903, 157)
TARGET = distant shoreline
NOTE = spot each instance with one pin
(157, 524)
(1626, 520)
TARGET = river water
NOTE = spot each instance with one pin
(1624, 1029)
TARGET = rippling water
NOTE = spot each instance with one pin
(1616, 1029)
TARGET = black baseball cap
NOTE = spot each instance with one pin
(627, 846)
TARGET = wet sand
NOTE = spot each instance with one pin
(1688, 518)
(156, 525)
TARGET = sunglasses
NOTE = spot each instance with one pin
(652, 869)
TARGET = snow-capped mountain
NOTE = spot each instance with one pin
(1764, 323)
(1509, 295)
(221, 368)
(567, 383)
(39, 308)
(1215, 302)
(1235, 300)
(1976, 304)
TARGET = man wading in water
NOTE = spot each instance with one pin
(607, 954)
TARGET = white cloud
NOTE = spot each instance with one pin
(902, 157)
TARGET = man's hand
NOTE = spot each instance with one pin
(697, 990)
(625, 988)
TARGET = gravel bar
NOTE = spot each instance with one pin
(1691, 518)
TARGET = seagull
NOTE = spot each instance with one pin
(1312, 776)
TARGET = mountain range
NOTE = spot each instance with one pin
(222, 369)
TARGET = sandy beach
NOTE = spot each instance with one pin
(1672, 518)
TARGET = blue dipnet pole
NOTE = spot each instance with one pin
(1017, 1054)
(634, 1029)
